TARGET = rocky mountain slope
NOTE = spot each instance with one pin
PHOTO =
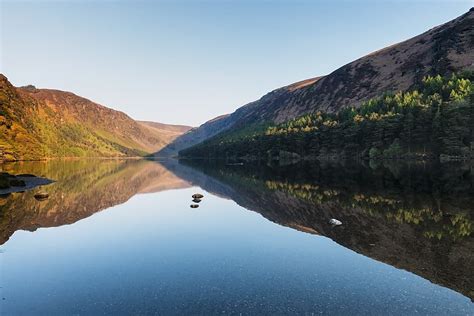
(442, 50)
(42, 123)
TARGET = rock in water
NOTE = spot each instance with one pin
(4, 183)
(335, 222)
(197, 200)
(41, 195)
(17, 183)
(197, 196)
(194, 206)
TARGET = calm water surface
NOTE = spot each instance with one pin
(119, 237)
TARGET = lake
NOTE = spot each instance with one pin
(119, 237)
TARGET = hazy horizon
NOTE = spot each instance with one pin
(188, 62)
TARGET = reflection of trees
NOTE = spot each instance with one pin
(435, 222)
(418, 218)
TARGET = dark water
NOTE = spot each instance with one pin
(119, 237)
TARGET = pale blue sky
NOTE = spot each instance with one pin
(189, 61)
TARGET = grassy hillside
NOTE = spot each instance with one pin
(43, 123)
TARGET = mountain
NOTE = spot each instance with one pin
(245, 114)
(42, 123)
(442, 50)
(196, 135)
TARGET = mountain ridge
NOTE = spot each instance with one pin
(44, 123)
(443, 49)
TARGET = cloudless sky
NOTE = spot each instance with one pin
(188, 61)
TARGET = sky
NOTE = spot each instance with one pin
(185, 62)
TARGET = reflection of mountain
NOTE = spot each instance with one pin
(415, 218)
(83, 188)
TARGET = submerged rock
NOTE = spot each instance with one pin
(41, 195)
(335, 222)
(197, 196)
(194, 206)
(4, 183)
(17, 183)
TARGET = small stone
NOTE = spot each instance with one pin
(197, 196)
(197, 200)
(194, 206)
(335, 222)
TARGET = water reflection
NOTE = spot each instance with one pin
(82, 188)
(417, 217)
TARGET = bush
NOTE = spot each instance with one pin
(374, 153)
(394, 151)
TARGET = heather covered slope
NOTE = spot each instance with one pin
(443, 50)
(43, 123)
